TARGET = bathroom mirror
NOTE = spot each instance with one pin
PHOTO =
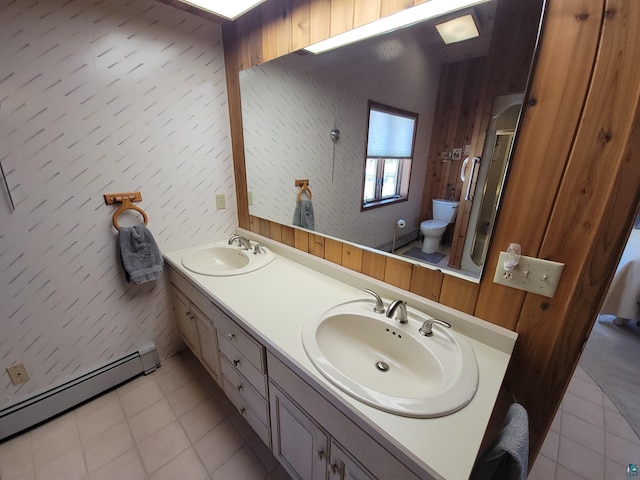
(291, 104)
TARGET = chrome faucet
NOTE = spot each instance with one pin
(401, 317)
(425, 329)
(379, 308)
(258, 248)
(242, 241)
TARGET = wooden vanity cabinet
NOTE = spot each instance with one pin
(309, 436)
(196, 327)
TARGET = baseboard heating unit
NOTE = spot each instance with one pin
(76, 390)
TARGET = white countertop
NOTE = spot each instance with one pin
(274, 302)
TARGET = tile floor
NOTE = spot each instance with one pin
(174, 424)
(589, 438)
(177, 424)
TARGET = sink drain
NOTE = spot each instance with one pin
(382, 366)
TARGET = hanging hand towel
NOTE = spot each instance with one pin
(303, 215)
(141, 257)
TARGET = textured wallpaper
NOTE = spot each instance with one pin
(101, 97)
(291, 104)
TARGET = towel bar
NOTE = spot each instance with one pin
(125, 199)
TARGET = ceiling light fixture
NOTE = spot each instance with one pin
(409, 16)
(458, 29)
(225, 8)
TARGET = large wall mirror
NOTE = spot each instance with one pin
(291, 105)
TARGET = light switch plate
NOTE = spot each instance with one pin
(531, 274)
(18, 374)
(250, 197)
(221, 202)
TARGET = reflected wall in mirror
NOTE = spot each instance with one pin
(291, 104)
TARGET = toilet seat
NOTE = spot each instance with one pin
(433, 224)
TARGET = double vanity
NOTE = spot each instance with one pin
(337, 381)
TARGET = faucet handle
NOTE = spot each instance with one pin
(425, 329)
(379, 308)
(258, 248)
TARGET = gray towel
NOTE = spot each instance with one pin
(508, 458)
(303, 215)
(141, 257)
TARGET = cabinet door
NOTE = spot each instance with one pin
(208, 343)
(186, 321)
(298, 443)
(343, 467)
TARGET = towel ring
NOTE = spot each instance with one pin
(127, 205)
(305, 189)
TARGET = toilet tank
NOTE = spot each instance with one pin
(444, 210)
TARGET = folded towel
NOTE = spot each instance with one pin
(141, 257)
(508, 458)
(303, 215)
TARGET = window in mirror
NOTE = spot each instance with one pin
(391, 135)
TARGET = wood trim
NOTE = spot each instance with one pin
(232, 72)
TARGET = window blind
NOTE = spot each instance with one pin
(390, 135)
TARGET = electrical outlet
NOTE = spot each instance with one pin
(221, 202)
(250, 197)
(531, 274)
(18, 374)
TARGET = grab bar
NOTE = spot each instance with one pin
(474, 162)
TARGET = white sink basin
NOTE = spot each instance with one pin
(391, 366)
(221, 259)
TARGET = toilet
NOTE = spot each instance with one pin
(444, 213)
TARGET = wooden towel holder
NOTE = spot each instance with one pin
(125, 200)
(304, 188)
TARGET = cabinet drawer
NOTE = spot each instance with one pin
(243, 365)
(247, 412)
(240, 340)
(243, 388)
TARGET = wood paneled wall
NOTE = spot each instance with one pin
(571, 195)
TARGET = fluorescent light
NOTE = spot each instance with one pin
(458, 29)
(409, 16)
(225, 8)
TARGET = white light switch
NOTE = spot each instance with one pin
(531, 274)
(221, 202)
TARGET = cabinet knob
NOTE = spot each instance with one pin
(236, 362)
(231, 336)
(321, 454)
(239, 388)
(243, 411)
(335, 468)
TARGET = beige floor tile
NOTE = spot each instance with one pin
(143, 395)
(67, 466)
(244, 465)
(219, 445)
(587, 389)
(583, 409)
(153, 418)
(202, 419)
(242, 426)
(609, 405)
(187, 396)
(186, 466)
(279, 473)
(55, 438)
(263, 453)
(616, 424)
(110, 444)
(583, 433)
(16, 460)
(178, 376)
(163, 447)
(613, 470)
(580, 460)
(550, 446)
(544, 469)
(97, 420)
(557, 421)
(621, 450)
(563, 473)
(127, 466)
